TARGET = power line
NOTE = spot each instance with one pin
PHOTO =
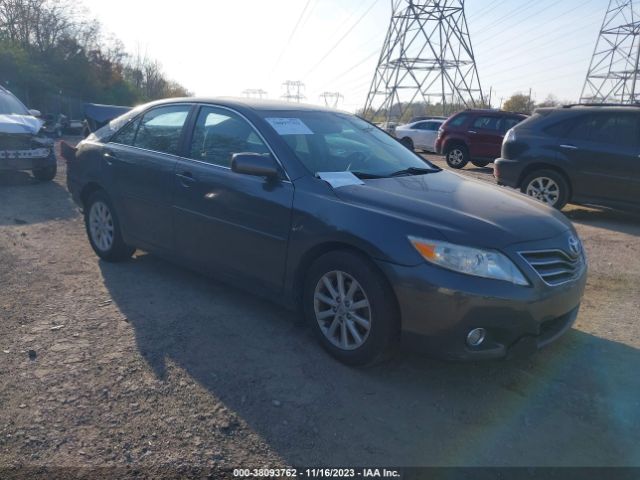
(293, 32)
(342, 38)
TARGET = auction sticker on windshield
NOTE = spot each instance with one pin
(289, 126)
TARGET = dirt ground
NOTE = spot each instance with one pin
(146, 364)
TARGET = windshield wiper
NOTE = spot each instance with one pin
(365, 175)
(413, 171)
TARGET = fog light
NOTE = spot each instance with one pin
(476, 337)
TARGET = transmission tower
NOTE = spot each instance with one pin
(613, 72)
(426, 57)
(293, 91)
(254, 93)
(332, 99)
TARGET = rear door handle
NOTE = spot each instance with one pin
(569, 147)
(472, 131)
(109, 157)
(186, 179)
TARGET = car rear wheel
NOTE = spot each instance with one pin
(548, 187)
(457, 156)
(407, 142)
(480, 163)
(103, 229)
(45, 174)
(351, 308)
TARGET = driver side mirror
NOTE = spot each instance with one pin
(256, 164)
(35, 113)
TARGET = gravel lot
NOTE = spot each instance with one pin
(148, 365)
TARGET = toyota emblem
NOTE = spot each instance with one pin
(574, 246)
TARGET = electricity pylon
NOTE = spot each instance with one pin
(426, 57)
(332, 99)
(293, 91)
(613, 72)
(254, 93)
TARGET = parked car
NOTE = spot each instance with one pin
(389, 127)
(97, 116)
(475, 136)
(427, 117)
(23, 146)
(322, 211)
(54, 124)
(580, 154)
(420, 135)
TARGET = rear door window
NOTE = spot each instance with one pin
(161, 128)
(509, 123)
(458, 121)
(487, 123)
(127, 134)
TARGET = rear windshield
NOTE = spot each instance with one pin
(10, 105)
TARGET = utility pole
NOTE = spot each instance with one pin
(614, 69)
(293, 91)
(332, 99)
(426, 57)
(254, 93)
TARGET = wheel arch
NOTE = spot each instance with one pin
(315, 252)
(546, 166)
(88, 190)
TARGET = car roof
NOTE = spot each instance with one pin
(247, 103)
(494, 111)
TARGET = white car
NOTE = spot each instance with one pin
(419, 135)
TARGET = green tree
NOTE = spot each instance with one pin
(519, 102)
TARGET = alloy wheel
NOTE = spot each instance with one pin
(544, 189)
(342, 310)
(456, 156)
(101, 226)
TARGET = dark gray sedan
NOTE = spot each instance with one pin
(322, 211)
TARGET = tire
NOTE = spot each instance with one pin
(45, 174)
(480, 163)
(547, 186)
(457, 156)
(378, 340)
(103, 229)
(407, 142)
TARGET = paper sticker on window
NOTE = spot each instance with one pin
(339, 179)
(289, 126)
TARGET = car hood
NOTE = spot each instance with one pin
(19, 124)
(464, 211)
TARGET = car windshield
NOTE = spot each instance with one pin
(337, 142)
(10, 105)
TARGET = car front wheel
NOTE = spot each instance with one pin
(103, 229)
(548, 187)
(351, 308)
(457, 156)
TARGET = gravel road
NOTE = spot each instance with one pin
(149, 365)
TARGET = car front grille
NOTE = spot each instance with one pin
(555, 267)
(15, 142)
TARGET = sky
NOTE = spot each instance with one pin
(222, 47)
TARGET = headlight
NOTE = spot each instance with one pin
(468, 260)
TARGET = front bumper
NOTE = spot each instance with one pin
(439, 308)
(507, 172)
(26, 159)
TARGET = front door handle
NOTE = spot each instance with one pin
(186, 179)
(569, 147)
(472, 131)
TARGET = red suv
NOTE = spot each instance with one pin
(475, 136)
